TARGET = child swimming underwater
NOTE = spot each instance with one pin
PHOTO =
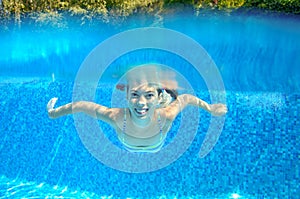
(152, 108)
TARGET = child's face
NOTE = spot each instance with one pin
(142, 101)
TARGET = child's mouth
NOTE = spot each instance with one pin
(141, 111)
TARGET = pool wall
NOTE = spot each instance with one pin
(252, 52)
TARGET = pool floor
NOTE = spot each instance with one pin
(256, 156)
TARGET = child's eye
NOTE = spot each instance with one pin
(150, 95)
(134, 95)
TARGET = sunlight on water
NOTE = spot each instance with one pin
(37, 45)
(21, 189)
(235, 196)
(53, 77)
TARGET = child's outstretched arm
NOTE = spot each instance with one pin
(90, 108)
(184, 100)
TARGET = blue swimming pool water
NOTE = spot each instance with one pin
(256, 156)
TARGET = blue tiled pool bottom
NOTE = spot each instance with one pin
(257, 155)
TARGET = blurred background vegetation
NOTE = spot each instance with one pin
(51, 11)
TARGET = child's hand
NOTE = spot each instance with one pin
(51, 104)
(218, 109)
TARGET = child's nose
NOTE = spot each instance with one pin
(142, 100)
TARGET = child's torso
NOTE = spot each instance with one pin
(131, 134)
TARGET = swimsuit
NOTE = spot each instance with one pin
(150, 149)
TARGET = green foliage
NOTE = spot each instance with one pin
(49, 11)
(49, 18)
(230, 3)
(289, 6)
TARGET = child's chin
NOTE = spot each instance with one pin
(142, 117)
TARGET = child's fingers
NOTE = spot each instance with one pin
(51, 103)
